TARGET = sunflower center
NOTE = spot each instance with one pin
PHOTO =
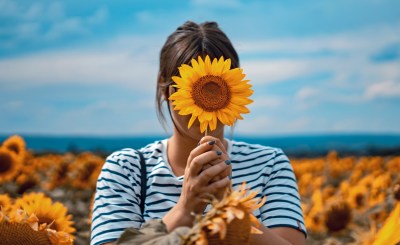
(88, 170)
(5, 162)
(211, 93)
(359, 199)
(14, 148)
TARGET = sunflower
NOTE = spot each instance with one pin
(59, 172)
(24, 229)
(86, 170)
(358, 196)
(54, 215)
(5, 202)
(393, 165)
(27, 181)
(211, 91)
(230, 220)
(396, 191)
(16, 144)
(314, 220)
(9, 164)
(338, 215)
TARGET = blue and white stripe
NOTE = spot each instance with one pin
(266, 170)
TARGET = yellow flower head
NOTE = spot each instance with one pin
(9, 164)
(23, 229)
(338, 215)
(230, 220)
(53, 215)
(211, 91)
(86, 170)
(5, 202)
(17, 145)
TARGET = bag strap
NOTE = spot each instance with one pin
(143, 181)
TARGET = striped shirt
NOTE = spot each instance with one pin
(266, 170)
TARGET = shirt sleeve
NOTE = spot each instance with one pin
(283, 206)
(117, 197)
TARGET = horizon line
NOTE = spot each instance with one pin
(149, 135)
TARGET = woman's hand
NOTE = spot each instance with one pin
(220, 148)
(206, 173)
(200, 182)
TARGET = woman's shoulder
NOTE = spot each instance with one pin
(131, 155)
(256, 153)
(245, 147)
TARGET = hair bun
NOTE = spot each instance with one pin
(192, 26)
(210, 24)
(188, 25)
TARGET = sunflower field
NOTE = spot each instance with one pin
(47, 198)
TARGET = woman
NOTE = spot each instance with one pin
(186, 167)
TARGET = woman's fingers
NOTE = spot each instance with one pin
(200, 149)
(200, 161)
(217, 142)
(207, 175)
(218, 185)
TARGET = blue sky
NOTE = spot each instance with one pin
(89, 67)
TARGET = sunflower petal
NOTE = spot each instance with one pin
(221, 116)
(213, 122)
(192, 119)
(201, 68)
(207, 64)
(241, 100)
(227, 65)
(203, 126)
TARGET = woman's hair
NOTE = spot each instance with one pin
(189, 41)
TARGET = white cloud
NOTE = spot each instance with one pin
(383, 89)
(268, 101)
(36, 22)
(306, 93)
(344, 58)
(125, 62)
(361, 41)
(272, 71)
(99, 16)
(27, 31)
(13, 105)
(34, 11)
(74, 25)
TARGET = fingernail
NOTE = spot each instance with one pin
(219, 153)
(211, 142)
(228, 162)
